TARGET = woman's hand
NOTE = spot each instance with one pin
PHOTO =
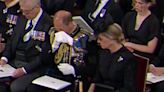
(156, 70)
(128, 46)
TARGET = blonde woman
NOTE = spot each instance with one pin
(116, 67)
(141, 29)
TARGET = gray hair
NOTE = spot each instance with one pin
(29, 3)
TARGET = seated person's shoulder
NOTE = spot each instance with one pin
(127, 55)
(128, 14)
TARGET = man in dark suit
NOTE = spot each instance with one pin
(29, 46)
(68, 41)
(100, 13)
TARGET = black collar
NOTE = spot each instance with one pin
(75, 31)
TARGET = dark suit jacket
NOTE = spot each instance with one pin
(117, 69)
(158, 9)
(4, 25)
(37, 51)
(113, 13)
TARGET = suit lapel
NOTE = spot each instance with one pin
(103, 10)
(20, 31)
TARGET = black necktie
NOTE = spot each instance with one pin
(27, 32)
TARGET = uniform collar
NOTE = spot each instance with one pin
(38, 16)
(77, 29)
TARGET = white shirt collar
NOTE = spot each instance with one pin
(35, 20)
(34, 23)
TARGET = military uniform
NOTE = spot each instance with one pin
(8, 19)
(70, 54)
(74, 55)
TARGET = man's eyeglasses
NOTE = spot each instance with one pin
(28, 10)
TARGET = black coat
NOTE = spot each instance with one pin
(8, 19)
(113, 13)
(117, 69)
(37, 51)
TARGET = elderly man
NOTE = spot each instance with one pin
(69, 42)
(69, 46)
(29, 46)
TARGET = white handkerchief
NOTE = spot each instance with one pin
(63, 37)
(66, 69)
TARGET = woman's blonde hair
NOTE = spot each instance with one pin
(114, 32)
(146, 1)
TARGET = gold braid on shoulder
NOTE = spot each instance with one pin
(52, 36)
(63, 54)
